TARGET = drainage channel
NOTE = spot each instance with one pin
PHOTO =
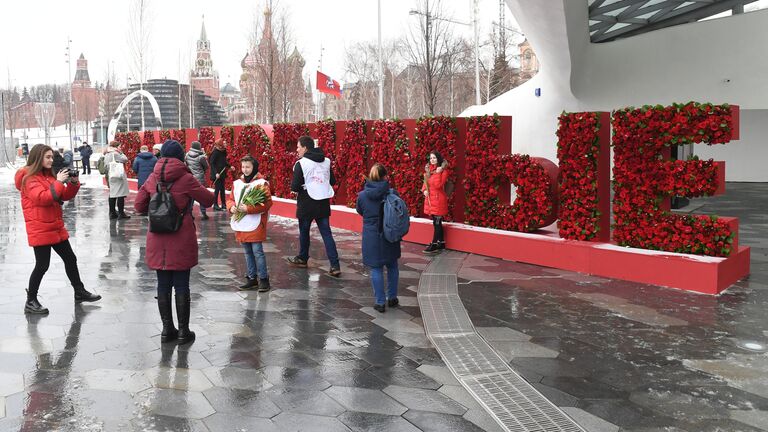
(511, 401)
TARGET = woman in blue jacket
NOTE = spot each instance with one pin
(377, 251)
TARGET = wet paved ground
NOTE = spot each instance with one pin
(637, 357)
(313, 355)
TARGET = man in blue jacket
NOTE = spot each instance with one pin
(85, 154)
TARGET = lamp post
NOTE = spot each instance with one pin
(69, 80)
(381, 70)
(476, 29)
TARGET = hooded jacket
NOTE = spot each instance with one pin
(377, 251)
(306, 207)
(143, 166)
(177, 250)
(197, 163)
(41, 199)
(260, 233)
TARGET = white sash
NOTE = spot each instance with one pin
(250, 221)
(317, 178)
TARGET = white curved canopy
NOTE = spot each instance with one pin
(112, 129)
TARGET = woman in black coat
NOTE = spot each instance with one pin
(219, 166)
(377, 251)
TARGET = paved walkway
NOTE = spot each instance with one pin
(313, 355)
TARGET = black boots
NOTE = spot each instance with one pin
(112, 215)
(166, 316)
(249, 284)
(83, 295)
(393, 302)
(182, 312)
(32, 306)
(123, 215)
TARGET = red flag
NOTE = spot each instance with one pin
(326, 84)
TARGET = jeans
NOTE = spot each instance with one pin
(437, 223)
(86, 165)
(377, 280)
(167, 279)
(43, 261)
(324, 226)
(255, 260)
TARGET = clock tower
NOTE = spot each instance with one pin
(203, 77)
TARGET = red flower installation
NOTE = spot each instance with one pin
(642, 179)
(165, 135)
(234, 153)
(148, 140)
(253, 138)
(206, 136)
(351, 160)
(130, 143)
(390, 148)
(180, 136)
(486, 170)
(283, 155)
(577, 152)
(435, 133)
(325, 130)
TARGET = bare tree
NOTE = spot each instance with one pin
(139, 42)
(361, 66)
(426, 46)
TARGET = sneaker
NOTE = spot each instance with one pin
(297, 262)
(393, 302)
(264, 285)
(379, 307)
(249, 284)
(440, 246)
(432, 248)
(334, 272)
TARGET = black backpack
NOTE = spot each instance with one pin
(164, 216)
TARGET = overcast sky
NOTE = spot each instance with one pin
(34, 34)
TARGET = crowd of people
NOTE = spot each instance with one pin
(171, 180)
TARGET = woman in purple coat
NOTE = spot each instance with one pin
(172, 255)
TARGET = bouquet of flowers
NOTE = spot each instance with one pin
(250, 197)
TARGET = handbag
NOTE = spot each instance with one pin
(116, 169)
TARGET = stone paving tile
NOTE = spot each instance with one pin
(242, 402)
(291, 422)
(425, 400)
(437, 422)
(306, 402)
(229, 422)
(178, 403)
(11, 383)
(440, 374)
(367, 422)
(365, 400)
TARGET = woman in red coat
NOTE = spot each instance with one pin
(42, 195)
(435, 199)
(173, 254)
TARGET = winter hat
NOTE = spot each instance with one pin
(157, 147)
(196, 145)
(172, 149)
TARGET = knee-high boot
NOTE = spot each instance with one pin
(166, 316)
(182, 312)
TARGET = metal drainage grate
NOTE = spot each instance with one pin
(517, 405)
(438, 284)
(444, 314)
(468, 355)
(514, 403)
